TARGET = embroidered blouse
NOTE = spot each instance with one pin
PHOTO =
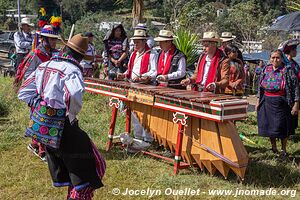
(115, 48)
(63, 84)
(273, 80)
(283, 78)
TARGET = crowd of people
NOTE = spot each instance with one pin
(56, 77)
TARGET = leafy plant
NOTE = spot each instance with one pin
(293, 5)
(187, 42)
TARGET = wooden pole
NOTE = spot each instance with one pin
(19, 15)
(72, 31)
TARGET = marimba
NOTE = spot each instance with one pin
(196, 125)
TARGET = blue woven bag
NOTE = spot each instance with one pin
(46, 124)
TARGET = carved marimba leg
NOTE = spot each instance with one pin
(128, 120)
(178, 148)
(185, 152)
(111, 128)
(180, 119)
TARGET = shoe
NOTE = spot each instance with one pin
(43, 157)
(284, 154)
(34, 150)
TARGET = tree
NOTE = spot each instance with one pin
(6, 4)
(137, 10)
(73, 10)
(199, 18)
(245, 20)
(293, 5)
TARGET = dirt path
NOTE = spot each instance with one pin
(252, 101)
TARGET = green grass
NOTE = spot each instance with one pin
(24, 176)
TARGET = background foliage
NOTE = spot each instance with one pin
(248, 20)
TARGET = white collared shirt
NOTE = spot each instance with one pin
(181, 68)
(152, 68)
(87, 64)
(206, 69)
(23, 42)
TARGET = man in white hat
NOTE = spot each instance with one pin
(41, 54)
(212, 71)
(89, 64)
(227, 39)
(171, 65)
(23, 40)
(76, 163)
(142, 62)
(150, 39)
(141, 68)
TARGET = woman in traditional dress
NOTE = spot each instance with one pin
(116, 51)
(236, 75)
(278, 101)
(289, 49)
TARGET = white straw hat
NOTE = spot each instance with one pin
(26, 20)
(227, 36)
(139, 34)
(211, 37)
(165, 35)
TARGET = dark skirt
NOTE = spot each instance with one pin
(73, 164)
(274, 118)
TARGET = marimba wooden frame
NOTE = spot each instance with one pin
(224, 135)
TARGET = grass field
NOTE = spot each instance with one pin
(24, 176)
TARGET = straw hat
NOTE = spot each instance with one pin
(48, 31)
(139, 35)
(227, 36)
(79, 43)
(141, 26)
(165, 35)
(26, 20)
(210, 37)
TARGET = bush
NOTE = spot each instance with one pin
(187, 43)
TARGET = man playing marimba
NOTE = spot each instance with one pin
(212, 72)
(171, 65)
(141, 68)
(142, 62)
